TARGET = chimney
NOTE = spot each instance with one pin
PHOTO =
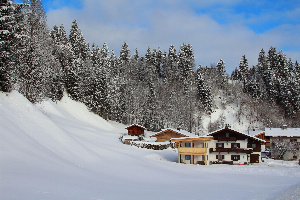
(284, 126)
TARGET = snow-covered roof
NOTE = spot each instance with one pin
(288, 132)
(136, 126)
(226, 128)
(129, 137)
(182, 132)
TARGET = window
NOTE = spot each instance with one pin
(235, 145)
(235, 157)
(293, 140)
(187, 144)
(188, 157)
(220, 157)
(253, 146)
(220, 145)
(227, 134)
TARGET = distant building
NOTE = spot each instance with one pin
(135, 130)
(286, 135)
(225, 146)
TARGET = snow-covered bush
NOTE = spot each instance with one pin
(152, 145)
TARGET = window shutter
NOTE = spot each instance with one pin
(223, 157)
(217, 157)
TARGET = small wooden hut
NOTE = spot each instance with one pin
(135, 130)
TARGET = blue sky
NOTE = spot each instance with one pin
(217, 29)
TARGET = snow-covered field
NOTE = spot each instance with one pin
(62, 151)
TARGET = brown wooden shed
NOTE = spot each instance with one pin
(135, 130)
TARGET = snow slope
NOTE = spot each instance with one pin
(62, 151)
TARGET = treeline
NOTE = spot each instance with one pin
(157, 90)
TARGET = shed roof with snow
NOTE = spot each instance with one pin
(167, 134)
(282, 132)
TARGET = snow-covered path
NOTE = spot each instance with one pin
(62, 151)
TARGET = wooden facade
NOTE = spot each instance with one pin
(167, 134)
(263, 137)
(136, 130)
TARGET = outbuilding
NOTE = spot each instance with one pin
(136, 130)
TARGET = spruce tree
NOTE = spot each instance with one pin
(203, 93)
(244, 72)
(7, 37)
(42, 77)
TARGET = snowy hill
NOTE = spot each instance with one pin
(62, 151)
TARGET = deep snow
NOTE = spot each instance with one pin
(62, 151)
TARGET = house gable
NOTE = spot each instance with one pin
(228, 134)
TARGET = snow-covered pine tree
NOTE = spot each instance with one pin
(170, 69)
(296, 87)
(63, 51)
(150, 120)
(7, 37)
(42, 77)
(222, 72)
(77, 76)
(113, 86)
(123, 71)
(186, 64)
(244, 72)
(203, 93)
(98, 92)
(221, 67)
(78, 43)
(284, 81)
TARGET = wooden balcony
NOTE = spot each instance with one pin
(257, 150)
(237, 150)
(226, 138)
(192, 150)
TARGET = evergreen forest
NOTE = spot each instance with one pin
(161, 89)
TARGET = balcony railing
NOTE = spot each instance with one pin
(192, 150)
(256, 149)
(226, 138)
(237, 150)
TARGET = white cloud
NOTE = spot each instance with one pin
(162, 23)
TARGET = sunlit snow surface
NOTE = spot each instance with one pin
(62, 151)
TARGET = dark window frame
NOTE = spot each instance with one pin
(238, 145)
(220, 157)
(222, 145)
(188, 144)
(188, 157)
(235, 157)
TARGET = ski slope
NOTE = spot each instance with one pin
(62, 151)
